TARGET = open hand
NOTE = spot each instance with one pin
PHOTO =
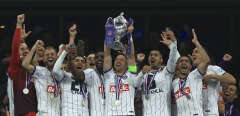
(195, 38)
(24, 34)
(164, 40)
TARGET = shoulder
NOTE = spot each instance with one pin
(88, 70)
(195, 73)
(40, 69)
(109, 71)
(175, 80)
(215, 69)
(128, 73)
(68, 74)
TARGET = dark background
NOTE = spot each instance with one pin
(217, 23)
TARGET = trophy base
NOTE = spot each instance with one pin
(117, 46)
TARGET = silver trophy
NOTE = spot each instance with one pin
(120, 24)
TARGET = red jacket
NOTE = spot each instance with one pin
(22, 103)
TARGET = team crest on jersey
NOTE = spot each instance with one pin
(124, 77)
(178, 94)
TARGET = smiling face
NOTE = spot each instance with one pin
(155, 58)
(183, 65)
(50, 57)
(23, 49)
(120, 63)
(230, 93)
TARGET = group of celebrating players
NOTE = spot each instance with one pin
(45, 82)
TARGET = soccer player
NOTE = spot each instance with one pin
(23, 87)
(157, 81)
(120, 81)
(96, 87)
(47, 86)
(187, 84)
(74, 90)
(211, 85)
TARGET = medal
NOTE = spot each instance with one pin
(147, 96)
(117, 86)
(83, 102)
(182, 83)
(103, 101)
(117, 102)
(25, 91)
(83, 90)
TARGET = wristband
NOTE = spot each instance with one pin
(132, 68)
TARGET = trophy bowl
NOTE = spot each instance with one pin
(120, 24)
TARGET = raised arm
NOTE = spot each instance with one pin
(131, 58)
(172, 45)
(204, 58)
(109, 38)
(26, 64)
(221, 75)
(72, 34)
(19, 35)
(107, 58)
(14, 62)
(57, 71)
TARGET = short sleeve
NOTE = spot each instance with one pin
(88, 76)
(195, 74)
(216, 70)
(37, 71)
(135, 79)
(108, 74)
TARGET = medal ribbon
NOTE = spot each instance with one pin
(117, 86)
(148, 84)
(102, 85)
(27, 84)
(182, 83)
(56, 84)
(229, 111)
(83, 90)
